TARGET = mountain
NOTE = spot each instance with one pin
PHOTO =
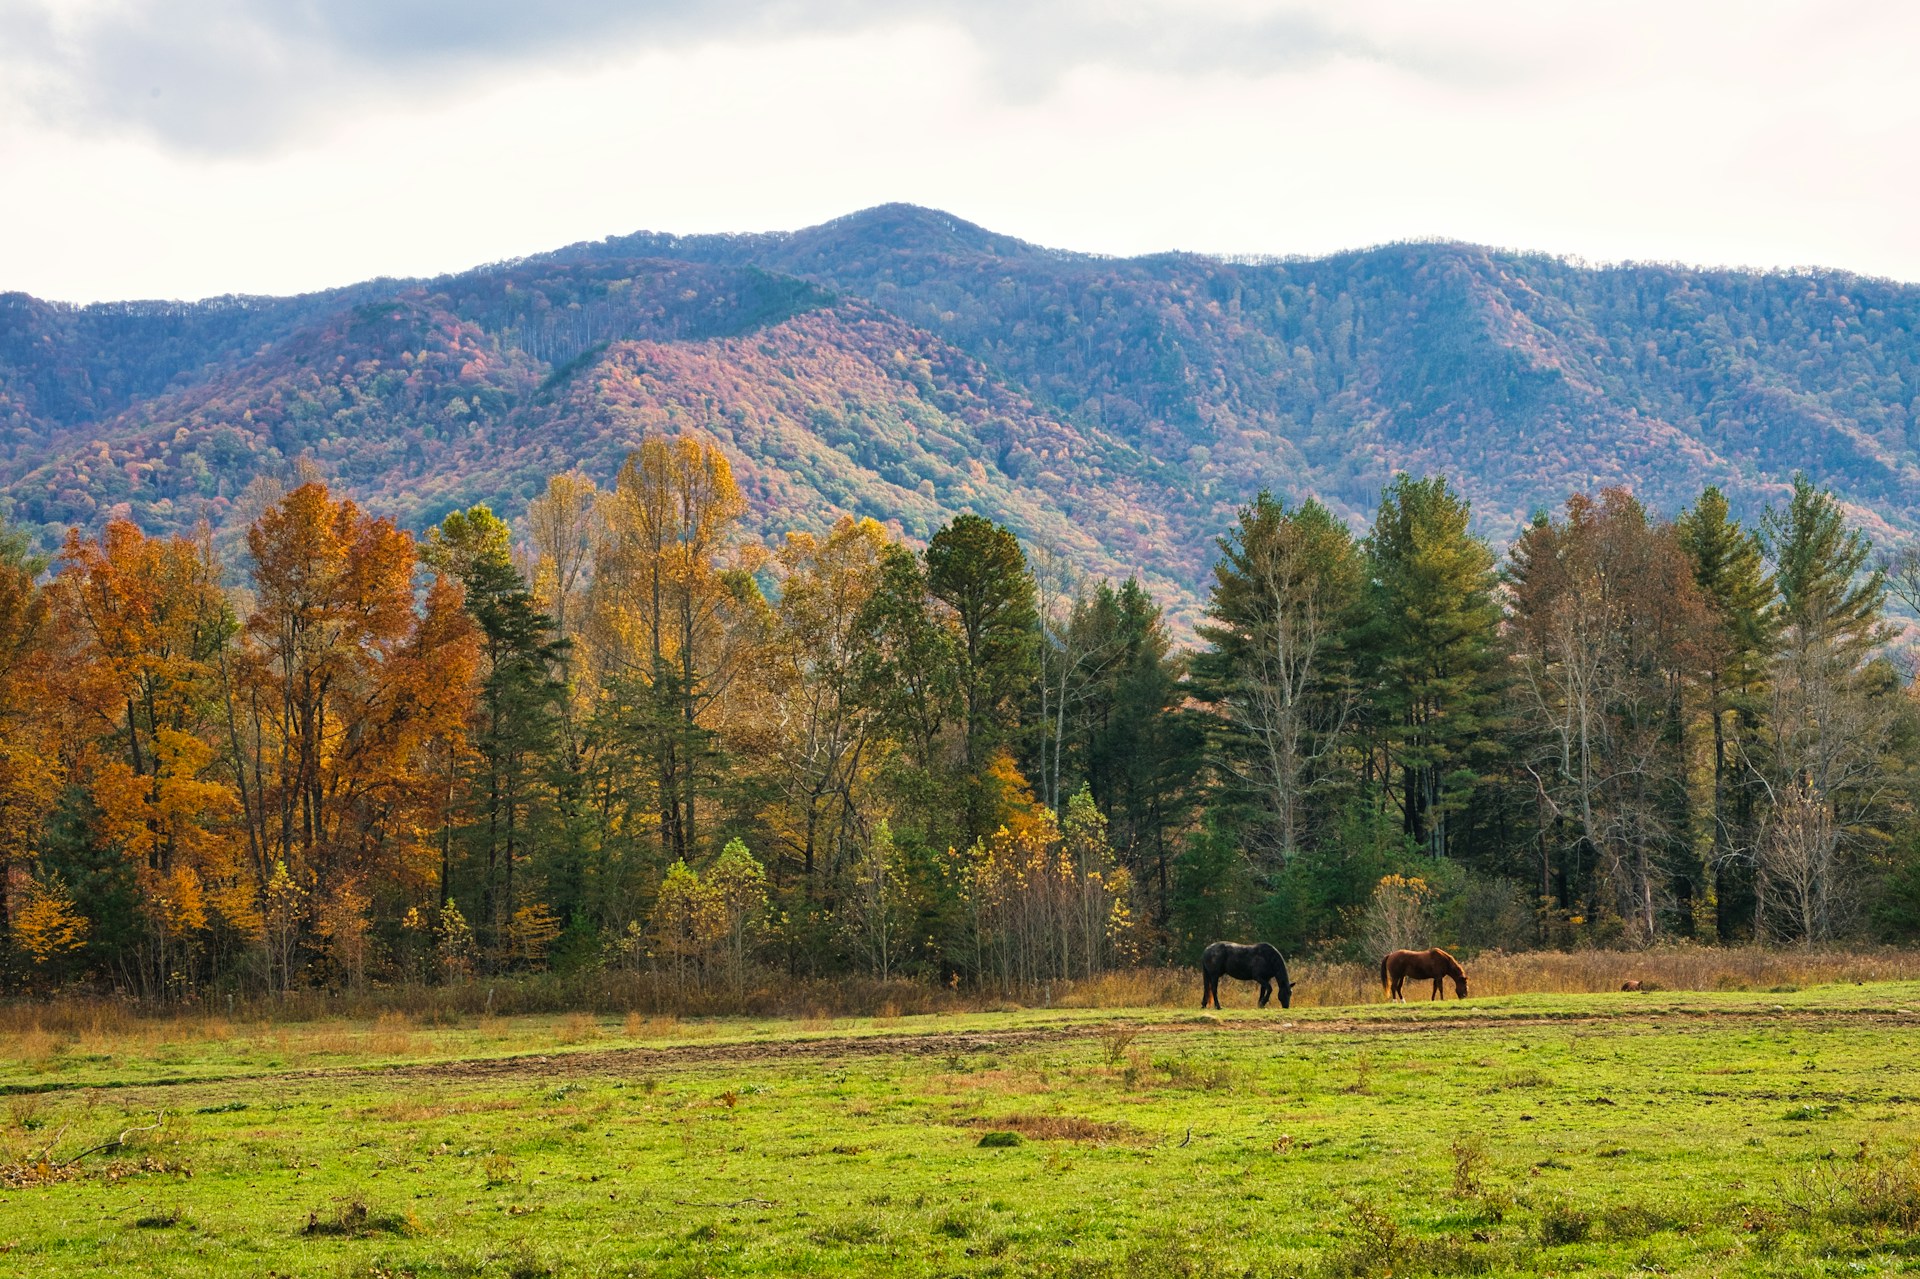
(906, 364)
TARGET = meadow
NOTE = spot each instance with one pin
(1770, 1130)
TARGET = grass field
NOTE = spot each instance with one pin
(1692, 1133)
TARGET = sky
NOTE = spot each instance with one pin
(188, 148)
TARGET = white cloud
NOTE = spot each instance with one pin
(1751, 133)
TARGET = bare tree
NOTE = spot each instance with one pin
(1799, 854)
(1605, 613)
(1282, 605)
(1830, 720)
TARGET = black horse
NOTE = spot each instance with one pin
(1258, 962)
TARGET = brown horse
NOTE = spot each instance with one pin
(1435, 963)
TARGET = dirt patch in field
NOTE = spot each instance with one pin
(617, 1062)
(938, 1044)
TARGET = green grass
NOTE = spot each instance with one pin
(1691, 1133)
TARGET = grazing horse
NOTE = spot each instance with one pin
(1435, 963)
(1258, 962)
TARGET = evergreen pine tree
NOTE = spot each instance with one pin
(1730, 570)
(1431, 655)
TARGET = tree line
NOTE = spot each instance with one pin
(624, 734)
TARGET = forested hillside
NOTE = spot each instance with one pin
(905, 365)
(624, 733)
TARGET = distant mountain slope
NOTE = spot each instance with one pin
(1522, 375)
(907, 364)
(826, 409)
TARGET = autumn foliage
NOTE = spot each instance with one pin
(379, 757)
(629, 734)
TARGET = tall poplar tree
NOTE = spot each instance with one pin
(678, 620)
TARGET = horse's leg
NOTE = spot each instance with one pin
(1437, 992)
(1266, 991)
(1207, 990)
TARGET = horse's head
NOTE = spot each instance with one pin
(1460, 982)
(1286, 993)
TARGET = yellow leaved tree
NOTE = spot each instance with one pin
(47, 926)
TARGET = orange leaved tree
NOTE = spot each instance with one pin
(145, 625)
(346, 700)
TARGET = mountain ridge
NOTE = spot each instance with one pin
(1117, 408)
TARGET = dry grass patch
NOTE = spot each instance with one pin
(1684, 968)
(1322, 984)
(391, 1035)
(334, 1041)
(1133, 988)
(1006, 1082)
(35, 1048)
(640, 1026)
(576, 1028)
(1059, 1128)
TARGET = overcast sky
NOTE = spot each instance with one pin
(182, 148)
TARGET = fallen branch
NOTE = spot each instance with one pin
(737, 1203)
(116, 1143)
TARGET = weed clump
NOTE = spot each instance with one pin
(1376, 1244)
(27, 1112)
(351, 1219)
(1170, 1254)
(955, 1225)
(1564, 1223)
(1636, 1220)
(523, 1262)
(998, 1140)
(1866, 1191)
(1218, 1076)
(858, 1231)
(1469, 1166)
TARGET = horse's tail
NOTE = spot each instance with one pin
(1383, 974)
